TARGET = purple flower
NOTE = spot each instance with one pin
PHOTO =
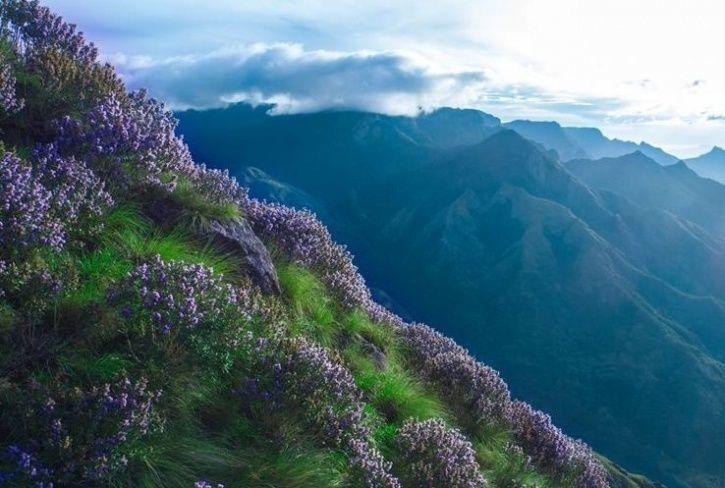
(434, 455)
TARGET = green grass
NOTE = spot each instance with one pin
(133, 236)
(357, 322)
(198, 209)
(312, 311)
(104, 368)
(395, 394)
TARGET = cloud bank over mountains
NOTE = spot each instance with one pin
(639, 70)
(297, 80)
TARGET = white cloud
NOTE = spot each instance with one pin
(645, 68)
(297, 80)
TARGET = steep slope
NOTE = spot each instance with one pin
(710, 165)
(583, 292)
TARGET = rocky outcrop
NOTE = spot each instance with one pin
(231, 235)
(236, 236)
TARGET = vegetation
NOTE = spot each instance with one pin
(133, 353)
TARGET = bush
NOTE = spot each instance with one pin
(189, 302)
(433, 455)
(70, 435)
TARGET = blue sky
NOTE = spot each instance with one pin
(640, 70)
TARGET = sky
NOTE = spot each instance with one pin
(648, 70)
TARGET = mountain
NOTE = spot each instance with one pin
(584, 142)
(597, 146)
(160, 327)
(710, 165)
(598, 303)
(550, 135)
(676, 188)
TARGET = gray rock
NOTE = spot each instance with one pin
(380, 360)
(234, 236)
(237, 237)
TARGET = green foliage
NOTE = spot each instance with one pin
(103, 368)
(198, 209)
(311, 309)
(504, 466)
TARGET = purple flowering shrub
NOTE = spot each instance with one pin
(189, 302)
(37, 28)
(73, 435)
(79, 196)
(486, 396)
(9, 101)
(130, 140)
(434, 455)
(303, 376)
(479, 388)
(308, 242)
(217, 185)
(44, 204)
(27, 217)
(552, 449)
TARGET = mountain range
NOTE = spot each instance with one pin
(596, 286)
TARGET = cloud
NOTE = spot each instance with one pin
(296, 80)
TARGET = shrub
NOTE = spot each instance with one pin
(433, 455)
(73, 435)
(130, 140)
(9, 101)
(189, 302)
(308, 242)
(36, 28)
(553, 450)
(27, 216)
(303, 376)
(473, 384)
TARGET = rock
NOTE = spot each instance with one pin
(233, 235)
(378, 357)
(236, 236)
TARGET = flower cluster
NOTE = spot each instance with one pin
(77, 434)
(37, 28)
(332, 404)
(130, 140)
(206, 484)
(9, 101)
(27, 467)
(217, 185)
(78, 194)
(27, 216)
(41, 202)
(487, 397)
(475, 385)
(552, 449)
(192, 303)
(178, 296)
(308, 242)
(435, 455)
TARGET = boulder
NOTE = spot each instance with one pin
(237, 237)
(233, 235)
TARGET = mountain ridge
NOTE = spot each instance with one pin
(507, 231)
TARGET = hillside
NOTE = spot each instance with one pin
(160, 327)
(589, 289)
